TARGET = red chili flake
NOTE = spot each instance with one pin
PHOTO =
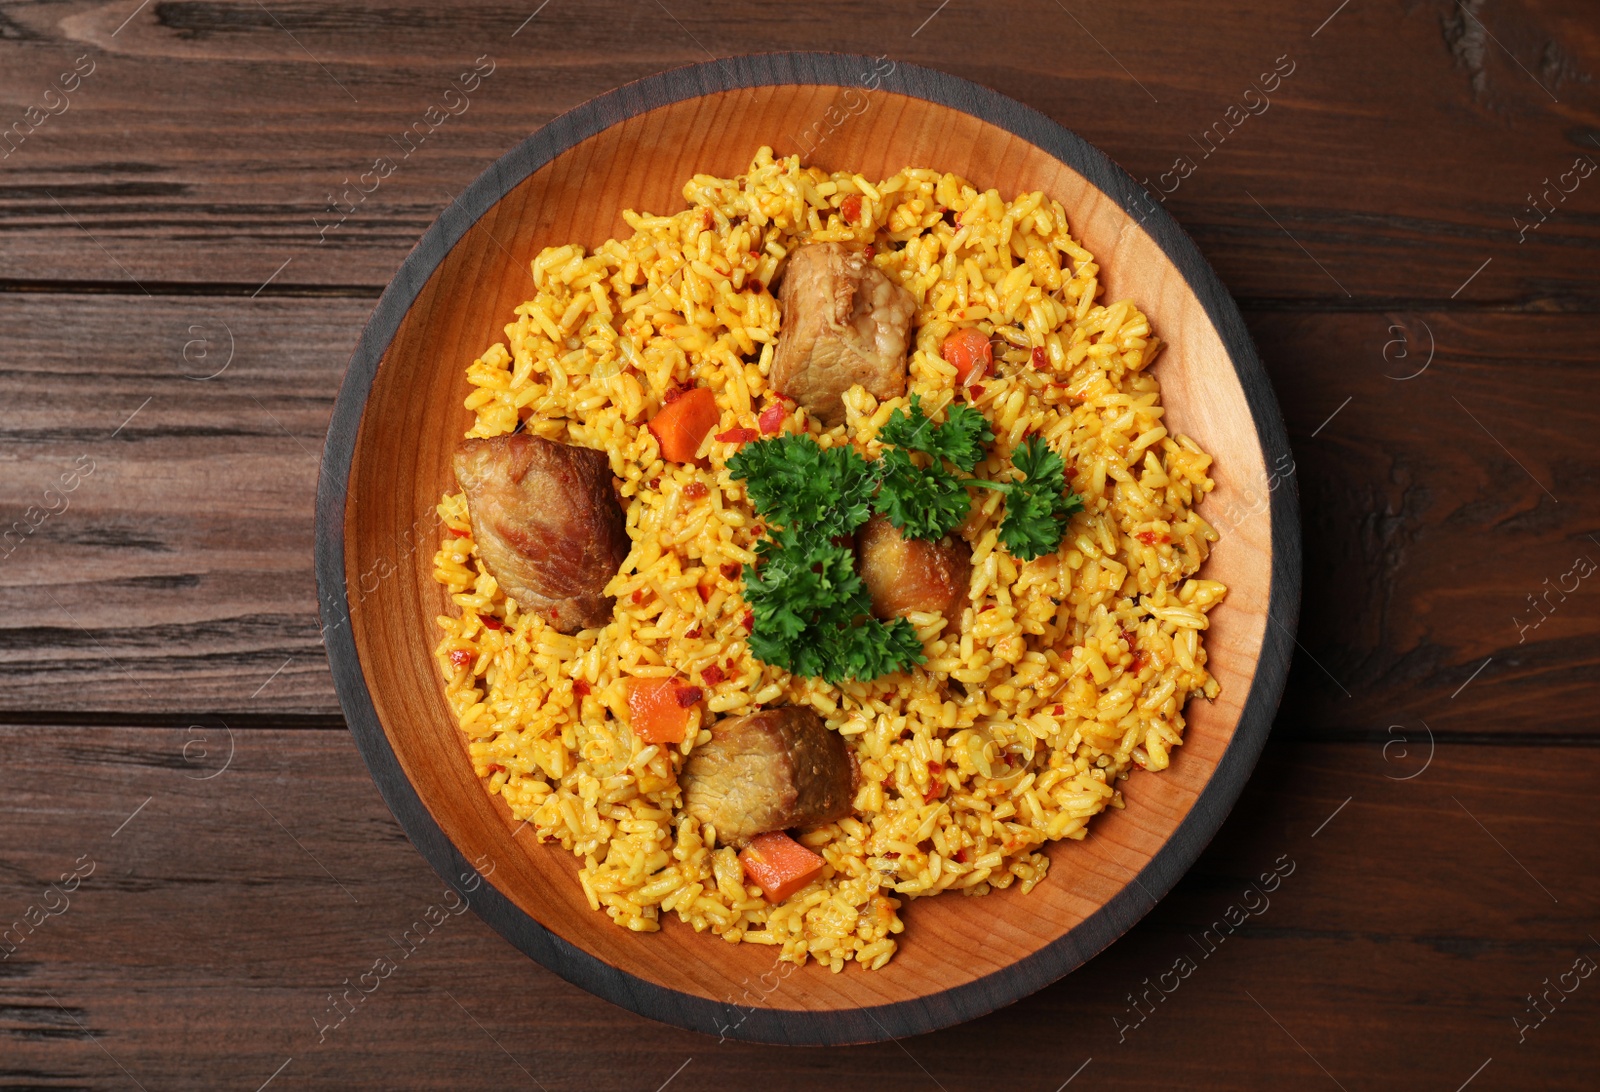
(1127, 634)
(1059, 710)
(771, 419)
(1138, 661)
(495, 767)
(1071, 472)
(1039, 358)
(758, 530)
(459, 534)
(655, 483)
(893, 855)
(935, 790)
(706, 220)
(870, 251)
(977, 391)
(1150, 538)
(689, 696)
(705, 591)
(731, 569)
(712, 675)
(850, 208)
(674, 393)
(696, 490)
(749, 621)
(580, 689)
(986, 606)
(728, 665)
(935, 769)
(960, 855)
(638, 596)
(738, 435)
(693, 631)
(460, 657)
(491, 622)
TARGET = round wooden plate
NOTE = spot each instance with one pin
(399, 414)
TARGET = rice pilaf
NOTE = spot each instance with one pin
(1062, 673)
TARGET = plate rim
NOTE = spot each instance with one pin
(955, 1004)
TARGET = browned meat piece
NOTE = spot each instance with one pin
(844, 323)
(771, 770)
(908, 574)
(547, 523)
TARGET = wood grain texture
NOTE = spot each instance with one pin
(1397, 155)
(1401, 522)
(206, 143)
(398, 420)
(206, 940)
(177, 571)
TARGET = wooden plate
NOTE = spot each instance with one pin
(400, 413)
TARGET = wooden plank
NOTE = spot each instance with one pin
(1423, 544)
(209, 139)
(1443, 519)
(1407, 923)
(177, 572)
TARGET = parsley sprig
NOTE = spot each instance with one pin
(931, 501)
(811, 608)
(1037, 504)
(812, 613)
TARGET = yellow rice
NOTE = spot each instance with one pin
(961, 785)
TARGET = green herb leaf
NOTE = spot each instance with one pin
(871, 649)
(810, 609)
(812, 615)
(960, 439)
(963, 437)
(809, 604)
(1038, 506)
(922, 502)
(794, 483)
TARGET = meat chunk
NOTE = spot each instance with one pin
(771, 770)
(844, 323)
(909, 574)
(547, 523)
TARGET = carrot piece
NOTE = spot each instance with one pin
(779, 865)
(657, 710)
(969, 353)
(682, 423)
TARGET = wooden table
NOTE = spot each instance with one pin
(1407, 233)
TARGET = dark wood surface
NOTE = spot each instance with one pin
(176, 589)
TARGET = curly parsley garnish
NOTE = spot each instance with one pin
(811, 610)
(931, 501)
(1037, 506)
